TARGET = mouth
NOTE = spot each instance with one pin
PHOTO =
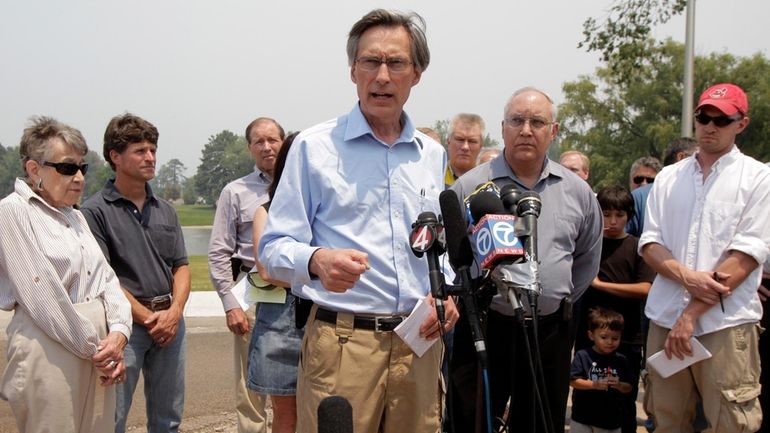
(381, 96)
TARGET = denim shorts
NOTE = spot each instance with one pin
(274, 349)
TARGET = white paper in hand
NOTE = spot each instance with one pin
(409, 329)
(666, 367)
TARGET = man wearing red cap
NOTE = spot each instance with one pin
(705, 233)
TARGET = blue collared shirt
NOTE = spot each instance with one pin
(344, 188)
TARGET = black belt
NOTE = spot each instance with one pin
(245, 268)
(371, 323)
(158, 303)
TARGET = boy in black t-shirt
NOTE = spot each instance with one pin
(599, 375)
(622, 285)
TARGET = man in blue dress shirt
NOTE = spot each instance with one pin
(339, 232)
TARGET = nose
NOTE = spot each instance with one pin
(383, 74)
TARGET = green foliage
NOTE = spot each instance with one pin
(225, 158)
(98, 173)
(615, 121)
(490, 142)
(169, 180)
(189, 194)
(628, 23)
(10, 169)
(195, 214)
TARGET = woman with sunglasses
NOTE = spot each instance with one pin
(71, 319)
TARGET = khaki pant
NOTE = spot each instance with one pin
(249, 406)
(50, 389)
(728, 384)
(390, 389)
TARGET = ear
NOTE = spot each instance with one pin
(416, 79)
(554, 130)
(32, 168)
(352, 73)
(742, 124)
(114, 154)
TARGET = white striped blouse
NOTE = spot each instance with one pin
(49, 260)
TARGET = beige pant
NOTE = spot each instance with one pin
(390, 389)
(249, 406)
(728, 383)
(50, 389)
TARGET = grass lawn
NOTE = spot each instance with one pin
(199, 268)
(195, 214)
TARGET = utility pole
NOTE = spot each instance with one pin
(689, 66)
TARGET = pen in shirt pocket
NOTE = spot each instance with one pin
(718, 280)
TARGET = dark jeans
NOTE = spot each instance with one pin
(509, 370)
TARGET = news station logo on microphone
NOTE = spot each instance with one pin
(425, 234)
(495, 238)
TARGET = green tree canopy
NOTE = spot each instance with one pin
(10, 169)
(169, 180)
(615, 121)
(225, 158)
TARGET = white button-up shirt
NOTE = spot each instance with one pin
(699, 221)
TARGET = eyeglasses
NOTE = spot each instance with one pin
(639, 179)
(67, 168)
(534, 122)
(372, 64)
(719, 121)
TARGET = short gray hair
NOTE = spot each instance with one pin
(645, 161)
(413, 23)
(469, 118)
(37, 136)
(554, 110)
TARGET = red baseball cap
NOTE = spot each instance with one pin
(726, 97)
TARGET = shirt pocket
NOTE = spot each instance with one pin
(564, 231)
(164, 239)
(719, 223)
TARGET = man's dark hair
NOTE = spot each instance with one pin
(604, 318)
(124, 130)
(258, 120)
(616, 197)
(413, 23)
(684, 145)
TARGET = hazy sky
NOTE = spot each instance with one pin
(194, 68)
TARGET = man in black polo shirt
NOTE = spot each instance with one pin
(141, 237)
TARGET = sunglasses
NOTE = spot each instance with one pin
(719, 121)
(67, 168)
(639, 179)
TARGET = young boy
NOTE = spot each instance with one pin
(622, 285)
(598, 375)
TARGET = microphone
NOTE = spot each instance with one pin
(335, 415)
(494, 236)
(461, 259)
(528, 210)
(428, 237)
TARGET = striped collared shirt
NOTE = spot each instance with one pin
(49, 260)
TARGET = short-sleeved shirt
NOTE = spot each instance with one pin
(623, 265)
(598, 408)
(142, 247)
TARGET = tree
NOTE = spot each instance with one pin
(98, 173)
(189, 194)
(168, 182)
(615, 121)
(225, 158)
(619, 38)
(10, 169)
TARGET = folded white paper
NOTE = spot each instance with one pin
(409, 329)
(248, 294)
(666, 367)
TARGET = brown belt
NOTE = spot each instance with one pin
(158, 303)
(371, 323)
